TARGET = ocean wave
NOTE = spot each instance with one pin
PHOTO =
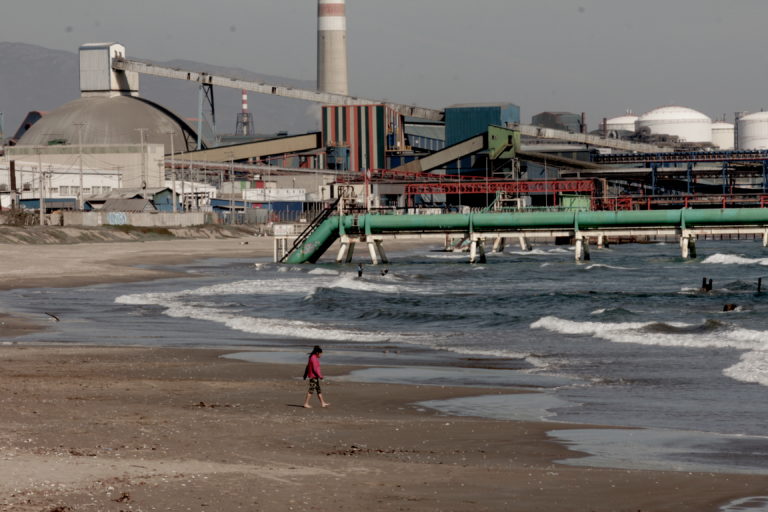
(323, 272)
(610, 267)
(709, 334)
(733, 259)
(611, 311)
(448, 255)
(752, 368)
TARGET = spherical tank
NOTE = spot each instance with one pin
(753, 131)
(722, 135)
(623, 123)
(687, 124)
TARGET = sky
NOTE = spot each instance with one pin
(601, 57)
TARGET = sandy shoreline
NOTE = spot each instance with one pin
(95, 428)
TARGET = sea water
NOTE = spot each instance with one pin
(627, 338)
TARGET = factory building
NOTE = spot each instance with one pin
(566, 121)
(359, 137)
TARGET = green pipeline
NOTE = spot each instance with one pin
(370, 224)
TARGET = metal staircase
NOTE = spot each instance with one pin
(321, 217)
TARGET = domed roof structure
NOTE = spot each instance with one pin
(687, 124)
(111, 120)
(674, 113)
(625, 122)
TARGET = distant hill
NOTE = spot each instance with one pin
(37, 78)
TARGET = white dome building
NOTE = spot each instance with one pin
(687, 124)
(753, 131)
(622, 123)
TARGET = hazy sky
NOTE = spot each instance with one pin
(601, 57)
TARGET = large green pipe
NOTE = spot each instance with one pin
(327, 233)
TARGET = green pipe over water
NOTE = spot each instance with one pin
(328, 231)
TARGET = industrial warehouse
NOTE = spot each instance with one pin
(112, 157)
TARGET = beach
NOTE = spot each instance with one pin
(157, 428)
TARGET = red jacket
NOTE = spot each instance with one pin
(313, 368)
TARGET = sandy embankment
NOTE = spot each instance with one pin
(108, 429)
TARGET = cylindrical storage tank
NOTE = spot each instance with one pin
(687, 124)
(622, 123)
(753, 131)
(722, 135)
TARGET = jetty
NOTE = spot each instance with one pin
(494, 230)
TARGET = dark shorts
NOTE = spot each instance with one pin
(314, 385)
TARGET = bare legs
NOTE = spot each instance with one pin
(323, 403)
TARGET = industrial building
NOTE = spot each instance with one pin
(371, 153)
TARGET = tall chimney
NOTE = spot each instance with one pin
(332, 46)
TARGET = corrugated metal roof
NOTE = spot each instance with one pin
(128, 193)
(128, 205)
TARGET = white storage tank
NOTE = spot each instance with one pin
(687, 124)
(622, 123)
(753, 131)
(722, 135)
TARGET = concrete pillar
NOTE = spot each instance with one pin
(380, 249)
(498, 244)
(524, 244)
(602, 242)
(346, 250)
(373, 249)
(477, 251)
(688, 245)
(765, 239)
(582, 248)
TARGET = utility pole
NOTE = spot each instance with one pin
(231, 190)
(80, 197)
(41, 182)
(173, 172)
(143, 162)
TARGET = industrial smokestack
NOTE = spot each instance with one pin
(332, 46)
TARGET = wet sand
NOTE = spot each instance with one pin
(108, 429)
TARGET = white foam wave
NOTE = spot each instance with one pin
(634, 332)
(176, 308)
(612, 267)
(448, 255)
(734, 259)
(323, 272)
(753, 366)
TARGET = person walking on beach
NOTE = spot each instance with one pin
(315, 375)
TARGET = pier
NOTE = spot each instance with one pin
(482, 230)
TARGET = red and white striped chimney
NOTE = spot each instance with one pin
(245, 117)
(332, 46)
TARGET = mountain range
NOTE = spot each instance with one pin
(36, 78)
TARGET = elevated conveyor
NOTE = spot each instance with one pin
(370, 225)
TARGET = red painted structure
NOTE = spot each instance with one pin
(491, 187)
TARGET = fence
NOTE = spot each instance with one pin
(136, 219)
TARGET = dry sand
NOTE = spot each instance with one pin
(109, 429)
